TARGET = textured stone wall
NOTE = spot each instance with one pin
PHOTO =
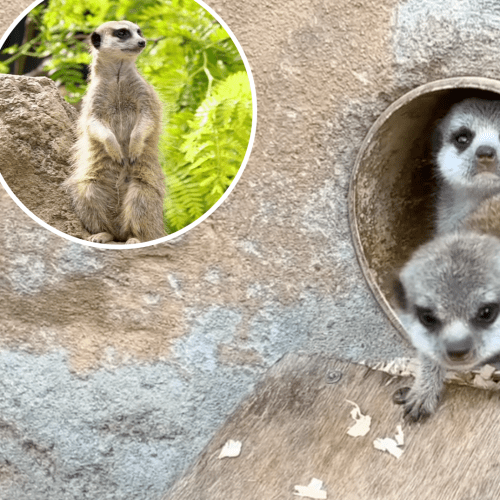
(116, 367)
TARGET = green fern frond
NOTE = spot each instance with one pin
(212, 151)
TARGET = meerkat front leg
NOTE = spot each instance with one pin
(422, 399)
(100, 132)
(144, 127)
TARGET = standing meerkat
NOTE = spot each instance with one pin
(467, 157)
(117, 185)
(448, 300)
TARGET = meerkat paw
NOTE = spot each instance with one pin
(114, 150)
(132, 158)
(131, 241)
(136, 146)
(417, 405)
(100, 237)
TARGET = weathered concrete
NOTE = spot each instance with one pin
(117, 367)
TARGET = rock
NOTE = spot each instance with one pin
(36, 134)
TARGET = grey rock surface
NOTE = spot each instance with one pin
(117, 367)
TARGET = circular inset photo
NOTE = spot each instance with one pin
(393, 196)
(123, 125)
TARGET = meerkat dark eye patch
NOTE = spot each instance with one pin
(486, 315)
(139, 32)
(428, 318)
(122, 33)
(462, 138)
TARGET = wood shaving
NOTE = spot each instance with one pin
(483, 383)
(391, 446)
(313, 490)
(486, 372)
(404, 367)
(399, 367)
(362, 424)
(231, 449)
(461, 378)
(400, 437)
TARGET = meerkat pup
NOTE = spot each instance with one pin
(467, 157)
(448, 300)
(486, 218)
(117, 185)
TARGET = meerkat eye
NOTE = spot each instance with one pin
(486, 315)
(139, 32)
(428, 318)
(462, 138)
(122, 33)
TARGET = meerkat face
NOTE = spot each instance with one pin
(118, 40)
(448, 298)
(467, 144)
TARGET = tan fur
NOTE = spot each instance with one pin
(117, 185)
(486, 218)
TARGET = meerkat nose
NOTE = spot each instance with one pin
(486, 152)
(459, 349)
(141, 43)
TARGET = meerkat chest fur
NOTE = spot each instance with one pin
(117, 98)
(119, 103)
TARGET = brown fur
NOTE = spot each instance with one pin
(486, 218)
(117, 185)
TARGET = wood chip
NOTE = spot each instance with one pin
(363, 422)
(231, 449)
(400, 437)
(313, 490)
(403, 367)
(487, 371)
(389, 445)
(483, 383)
(400, 367)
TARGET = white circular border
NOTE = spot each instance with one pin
(208, 212)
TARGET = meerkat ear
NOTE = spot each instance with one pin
(399, 293)
(436, 140)
(95, 38)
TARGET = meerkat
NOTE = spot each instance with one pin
(486, 218)
(448, 300)
(117, 185)
(467, 157)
